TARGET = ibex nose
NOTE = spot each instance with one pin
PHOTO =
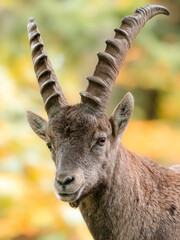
(67, 183)
(64, 180)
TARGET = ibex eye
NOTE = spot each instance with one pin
(49, 145)
(101, 141)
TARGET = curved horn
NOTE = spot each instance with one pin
(110, 61)
(51, 92)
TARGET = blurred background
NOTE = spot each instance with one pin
(73, 31)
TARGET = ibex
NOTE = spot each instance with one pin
(122, 196)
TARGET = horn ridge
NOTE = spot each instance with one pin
(121, 33)
(94, 101)
(111, 60)
(46, 84)
(97, 80)
(113, 43)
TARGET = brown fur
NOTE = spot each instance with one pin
(141, 201)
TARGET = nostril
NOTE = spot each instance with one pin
(59, 182)
(65, 181)
(68, 180)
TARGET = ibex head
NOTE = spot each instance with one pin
(82, 140)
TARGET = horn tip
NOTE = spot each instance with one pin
(162, 9)
(30, 21)
(165, 11)
(154, 10)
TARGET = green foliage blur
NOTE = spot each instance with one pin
(73, 31)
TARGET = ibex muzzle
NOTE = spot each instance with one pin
(68, 184)
(121, 196)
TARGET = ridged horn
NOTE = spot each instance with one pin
(51, 92)
(110, 61)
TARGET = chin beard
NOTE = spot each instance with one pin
(75, 204)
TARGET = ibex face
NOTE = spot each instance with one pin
(80, 152)
(82, 140)
(82, 146)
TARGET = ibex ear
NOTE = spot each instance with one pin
(38, 124)
(122, 114)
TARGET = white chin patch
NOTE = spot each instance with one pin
(57, 195)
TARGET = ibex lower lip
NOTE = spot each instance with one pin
(67, 197)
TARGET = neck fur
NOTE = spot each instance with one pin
(127, 207)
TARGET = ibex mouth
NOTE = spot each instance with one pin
(68, 197)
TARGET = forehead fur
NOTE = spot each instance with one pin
(74, 119)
